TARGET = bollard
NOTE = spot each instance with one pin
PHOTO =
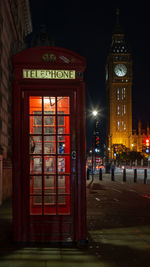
(145, 176)
(88, 174)
(112, 174)
(100, 175)
(124, 175)
(135, 175)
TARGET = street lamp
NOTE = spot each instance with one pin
(95, 114)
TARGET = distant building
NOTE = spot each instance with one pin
(120, 136)
(140, 139)
(119, 92)
(15, 25)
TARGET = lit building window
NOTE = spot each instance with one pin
(117, 93)
(123, 126)
(118, 110)
(118, 125)
(123, 110)
(123, 93)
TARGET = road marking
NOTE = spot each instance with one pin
(116, 190)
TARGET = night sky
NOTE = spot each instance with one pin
(87, 30)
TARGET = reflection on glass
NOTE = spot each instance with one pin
(49, 130)
(61, 184)
(37, 120)
(37, 184)
(61, 199)
(61, 130)
(35, 144)
(61, 164)
(35, 164)
(35, 128)
(63, 121)
(35, 103)
(49, 120)
(49, 164)
(49, 138)
(60, 120)
(49, 104)
(37, 199)
(50, 184)
(49, 145)
(61, 148)
(49, 199)
(63, 104)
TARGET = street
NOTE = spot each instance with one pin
(118, 224)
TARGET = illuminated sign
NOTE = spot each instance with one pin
(48, 74)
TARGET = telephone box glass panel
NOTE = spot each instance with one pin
(49, 154)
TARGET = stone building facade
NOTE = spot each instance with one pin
(15, 25)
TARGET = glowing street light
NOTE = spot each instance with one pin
(95, 112)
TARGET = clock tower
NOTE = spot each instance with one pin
(118, 94)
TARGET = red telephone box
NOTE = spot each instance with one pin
(49, 192)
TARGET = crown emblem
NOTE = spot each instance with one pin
(49, 57)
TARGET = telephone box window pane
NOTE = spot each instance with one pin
(35, 144)
(49, 164)
(63, 164)
(63, 104)
(61, 184)
(50, 199)
(49, 130)
(62, 199)
(50, 138)
(49, 104)
(61, 130)
(35, 205)
(35, 164)
(36, 185)
(49, 120)
(63, 144)
(35, 104)
(60, 120)
(49, 145)
(50, 184)
(61, 148)
(64, 184)
(35, 124)
(63, 122)
(37, 120)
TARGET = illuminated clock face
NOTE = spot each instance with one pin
(120, 70)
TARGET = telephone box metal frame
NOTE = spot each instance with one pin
(24, 85)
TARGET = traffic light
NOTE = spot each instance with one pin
(115, 151)
(147, 146)
(97, 141)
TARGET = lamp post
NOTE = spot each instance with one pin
(95, 114)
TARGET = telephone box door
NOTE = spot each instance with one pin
(49, 166)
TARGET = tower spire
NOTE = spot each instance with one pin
(117, 28)
(117, 15)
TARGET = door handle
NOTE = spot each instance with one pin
(73, 154)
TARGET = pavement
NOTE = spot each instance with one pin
(118, 220)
